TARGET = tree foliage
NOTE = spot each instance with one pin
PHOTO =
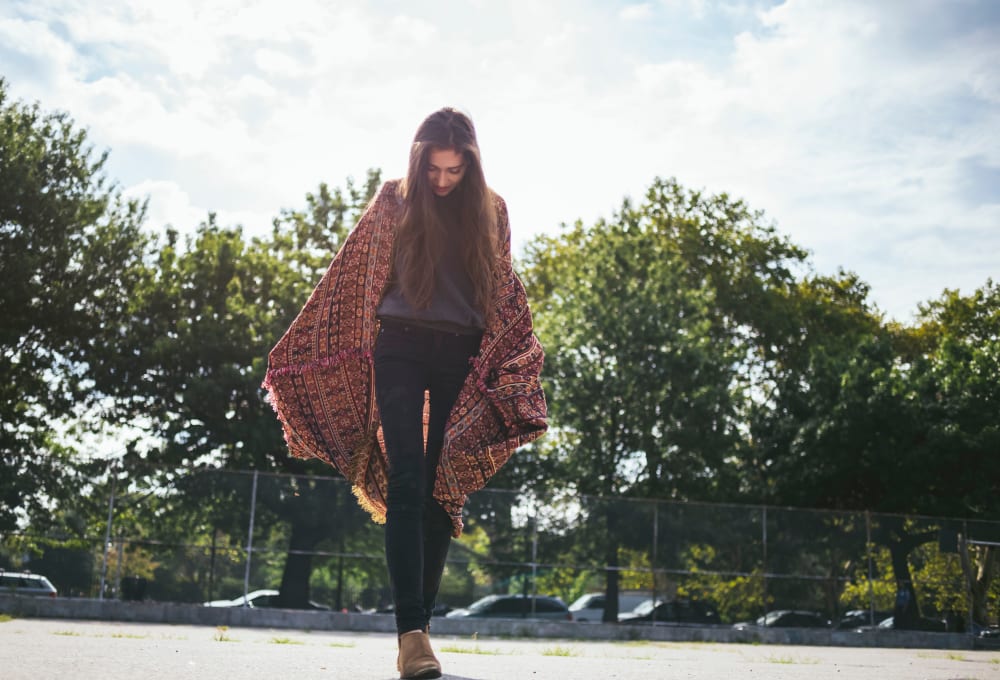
(68, 245)
(648, 323)
(189, 363)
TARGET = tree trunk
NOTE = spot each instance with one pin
(978, 576)
(294, 590)
(906, 612)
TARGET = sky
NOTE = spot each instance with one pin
(866, 132)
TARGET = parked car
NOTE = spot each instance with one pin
(924, 624)
(390, 608)
(855, 618)
(590, 607)
(26, 583)
(787, 618)
(260, 599)
(515, 607)
(672, 611)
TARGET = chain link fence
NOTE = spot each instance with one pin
(209, 535)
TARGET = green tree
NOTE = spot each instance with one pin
(190, 362)
(69, 243)
(954, 364)
(866, 415)
(651, 322)
(832, 418)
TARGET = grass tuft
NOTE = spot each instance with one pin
(954, 656)
(790, 660)
(468, 650)
(559, 651)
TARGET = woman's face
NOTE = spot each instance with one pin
(445, 170)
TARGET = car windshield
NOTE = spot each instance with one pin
(588, 602)
(644, 608)
(480, 605)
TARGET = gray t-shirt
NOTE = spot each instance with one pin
(452, 305)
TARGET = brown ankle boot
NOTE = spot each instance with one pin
(416, 658)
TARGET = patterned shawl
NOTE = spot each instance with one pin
(321, 378)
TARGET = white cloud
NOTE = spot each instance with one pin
(847, 122)
(694, 8)
(276, 63)
(169, 204)
(636, 12)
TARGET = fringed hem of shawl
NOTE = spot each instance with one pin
(357, 474)
(366, 503)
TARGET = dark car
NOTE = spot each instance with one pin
(515, 607)
(672, 611)
(787, 618)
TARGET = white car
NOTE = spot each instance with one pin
(259, 599)
(590, 607)
(26, 583)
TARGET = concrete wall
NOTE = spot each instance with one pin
(193, 614)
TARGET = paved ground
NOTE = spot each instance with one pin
(44, 649)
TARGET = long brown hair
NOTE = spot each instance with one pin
(422, 226)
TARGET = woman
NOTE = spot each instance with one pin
(413, 368)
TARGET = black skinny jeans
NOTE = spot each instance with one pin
(408, 360)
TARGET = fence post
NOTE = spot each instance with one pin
(763, 575)
(656, 539)
(107, 530)
(963, 546)
(253, 509)
(211, 565)
(534, 556)
(871, 567)
(118, 567)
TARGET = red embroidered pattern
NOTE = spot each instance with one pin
(321, 379)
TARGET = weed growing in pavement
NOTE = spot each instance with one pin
(790, 660)
(285, 641)
(341, 644)
(4, 618)
(954, 656)
(222, 634)
(559, 651)
(468, 650)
